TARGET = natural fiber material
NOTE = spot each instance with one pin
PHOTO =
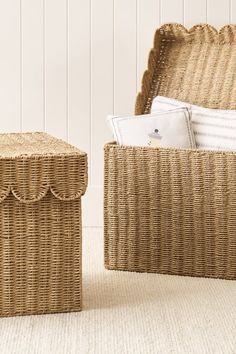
(196, 66)
(173, 211)
(170, 211)
(41, 182)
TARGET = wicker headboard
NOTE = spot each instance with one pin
(197, 66)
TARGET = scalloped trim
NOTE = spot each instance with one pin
(6, 191)
(175, 31)
(179, 28)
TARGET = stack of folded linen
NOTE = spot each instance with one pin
(177, 124)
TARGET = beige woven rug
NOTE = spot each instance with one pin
(131, 313)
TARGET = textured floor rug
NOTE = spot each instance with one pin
(131, 313)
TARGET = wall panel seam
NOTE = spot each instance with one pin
(67, 70)
(160, 12)
(183, 14)
(136, 44)
(113, 54)
(90, 85)
(21, 65)
(44, 70)
(114, 58)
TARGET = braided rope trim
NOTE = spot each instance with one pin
(6, 191)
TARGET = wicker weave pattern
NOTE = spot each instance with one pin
(174, 211)
(40, 224)
(170, 211)
(196, 66)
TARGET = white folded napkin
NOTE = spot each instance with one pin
(160, 129)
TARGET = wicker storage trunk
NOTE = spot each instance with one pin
(172, 210)
(41, 182)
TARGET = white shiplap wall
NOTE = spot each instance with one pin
(66, 64)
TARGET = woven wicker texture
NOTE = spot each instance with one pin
(196, 66)
(174, 211)
(41, 182)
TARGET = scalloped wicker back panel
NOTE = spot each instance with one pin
(197, 66)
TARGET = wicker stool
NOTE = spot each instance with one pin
(41, 182)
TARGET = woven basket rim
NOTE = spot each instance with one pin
(175, 32)
(174, 26)
(115, 145)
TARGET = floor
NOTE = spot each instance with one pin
(131, 313)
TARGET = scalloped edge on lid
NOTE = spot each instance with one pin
(6, 191)
(177, 32)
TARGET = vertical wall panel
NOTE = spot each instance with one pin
(172, 11)
(10, 66)
(232, 11)
(125, 69)
(148, 18)
(79, 74)
(101, 82)
(218, 12)
(56, 67)
(32, 65)
(194, 12)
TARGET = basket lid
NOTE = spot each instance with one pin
(32, 164)
(196, 66)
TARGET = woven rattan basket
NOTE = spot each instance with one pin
(41, 182)
(171, 210)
